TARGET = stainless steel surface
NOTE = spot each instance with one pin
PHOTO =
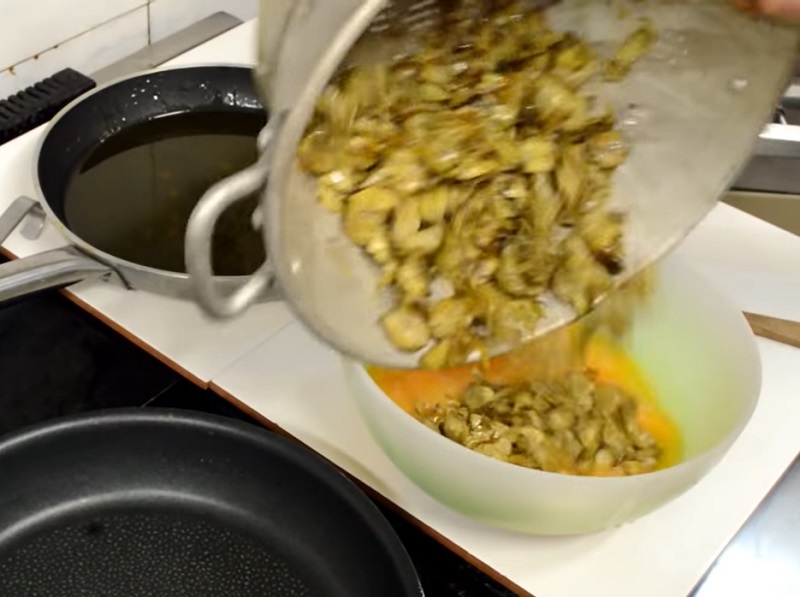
(699, 101)
(168, 48)
(199, 242)
(15, 214)
(780, 209)
(34, 223)
(764, 557)
(773, 167)
(83, 261)
(51, 269)
(297, 39)
(54, 270)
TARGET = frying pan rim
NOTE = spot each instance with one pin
(116, 263)
(262, 439)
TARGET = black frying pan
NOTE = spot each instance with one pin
(117, 235)
(144, 503)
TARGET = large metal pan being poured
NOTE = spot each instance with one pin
(692, 110)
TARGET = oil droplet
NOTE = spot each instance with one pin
(739, 84)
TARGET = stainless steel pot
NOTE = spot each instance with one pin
(693, 110)
(72, 135)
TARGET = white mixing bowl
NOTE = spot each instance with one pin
(695, 350)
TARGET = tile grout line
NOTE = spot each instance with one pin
(249, 352)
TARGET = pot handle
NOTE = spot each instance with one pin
(22, 208)
(51, 269)
(200, 232)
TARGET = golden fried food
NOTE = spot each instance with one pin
(475, 173)
(571, 426)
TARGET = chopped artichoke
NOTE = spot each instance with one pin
(547, 426)
(466, 163)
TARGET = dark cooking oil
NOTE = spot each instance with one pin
(132, 197)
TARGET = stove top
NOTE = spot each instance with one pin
(58, 360)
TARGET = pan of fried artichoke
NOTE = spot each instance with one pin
(475, 174)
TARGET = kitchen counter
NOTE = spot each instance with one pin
(267, 363)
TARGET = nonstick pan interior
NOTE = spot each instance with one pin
(142, 503)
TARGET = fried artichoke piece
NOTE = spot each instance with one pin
(466, 162)
(402, 171)
(337, 109)
(448, 317)
(477, 396)
(608, 149)
(455, 425)
(580, 279)
(545, 206)
(516, 320)
(539, 155)
(438, 356)
(407, 329)
(411, 278)
(425, 242)
(603, 234)
(330, 198)
(407, 221)
(476, 166)
(433, 205)
(343, 180)
(549, 426)
(590, 434)
(571, 176)
(508, 320)
(526, 267)
(555, 102)
(632, 49)
(366, 214)
(380, 249)
(452, 351)
(318, 153)
(575, 63)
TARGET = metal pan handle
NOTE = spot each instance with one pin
(200, 232)
(51, 269)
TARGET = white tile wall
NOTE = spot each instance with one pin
(29, 28)
(89, 34)
(86, 53)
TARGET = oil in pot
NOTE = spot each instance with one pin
(133, 195)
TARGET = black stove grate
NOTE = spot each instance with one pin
(41, 101)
